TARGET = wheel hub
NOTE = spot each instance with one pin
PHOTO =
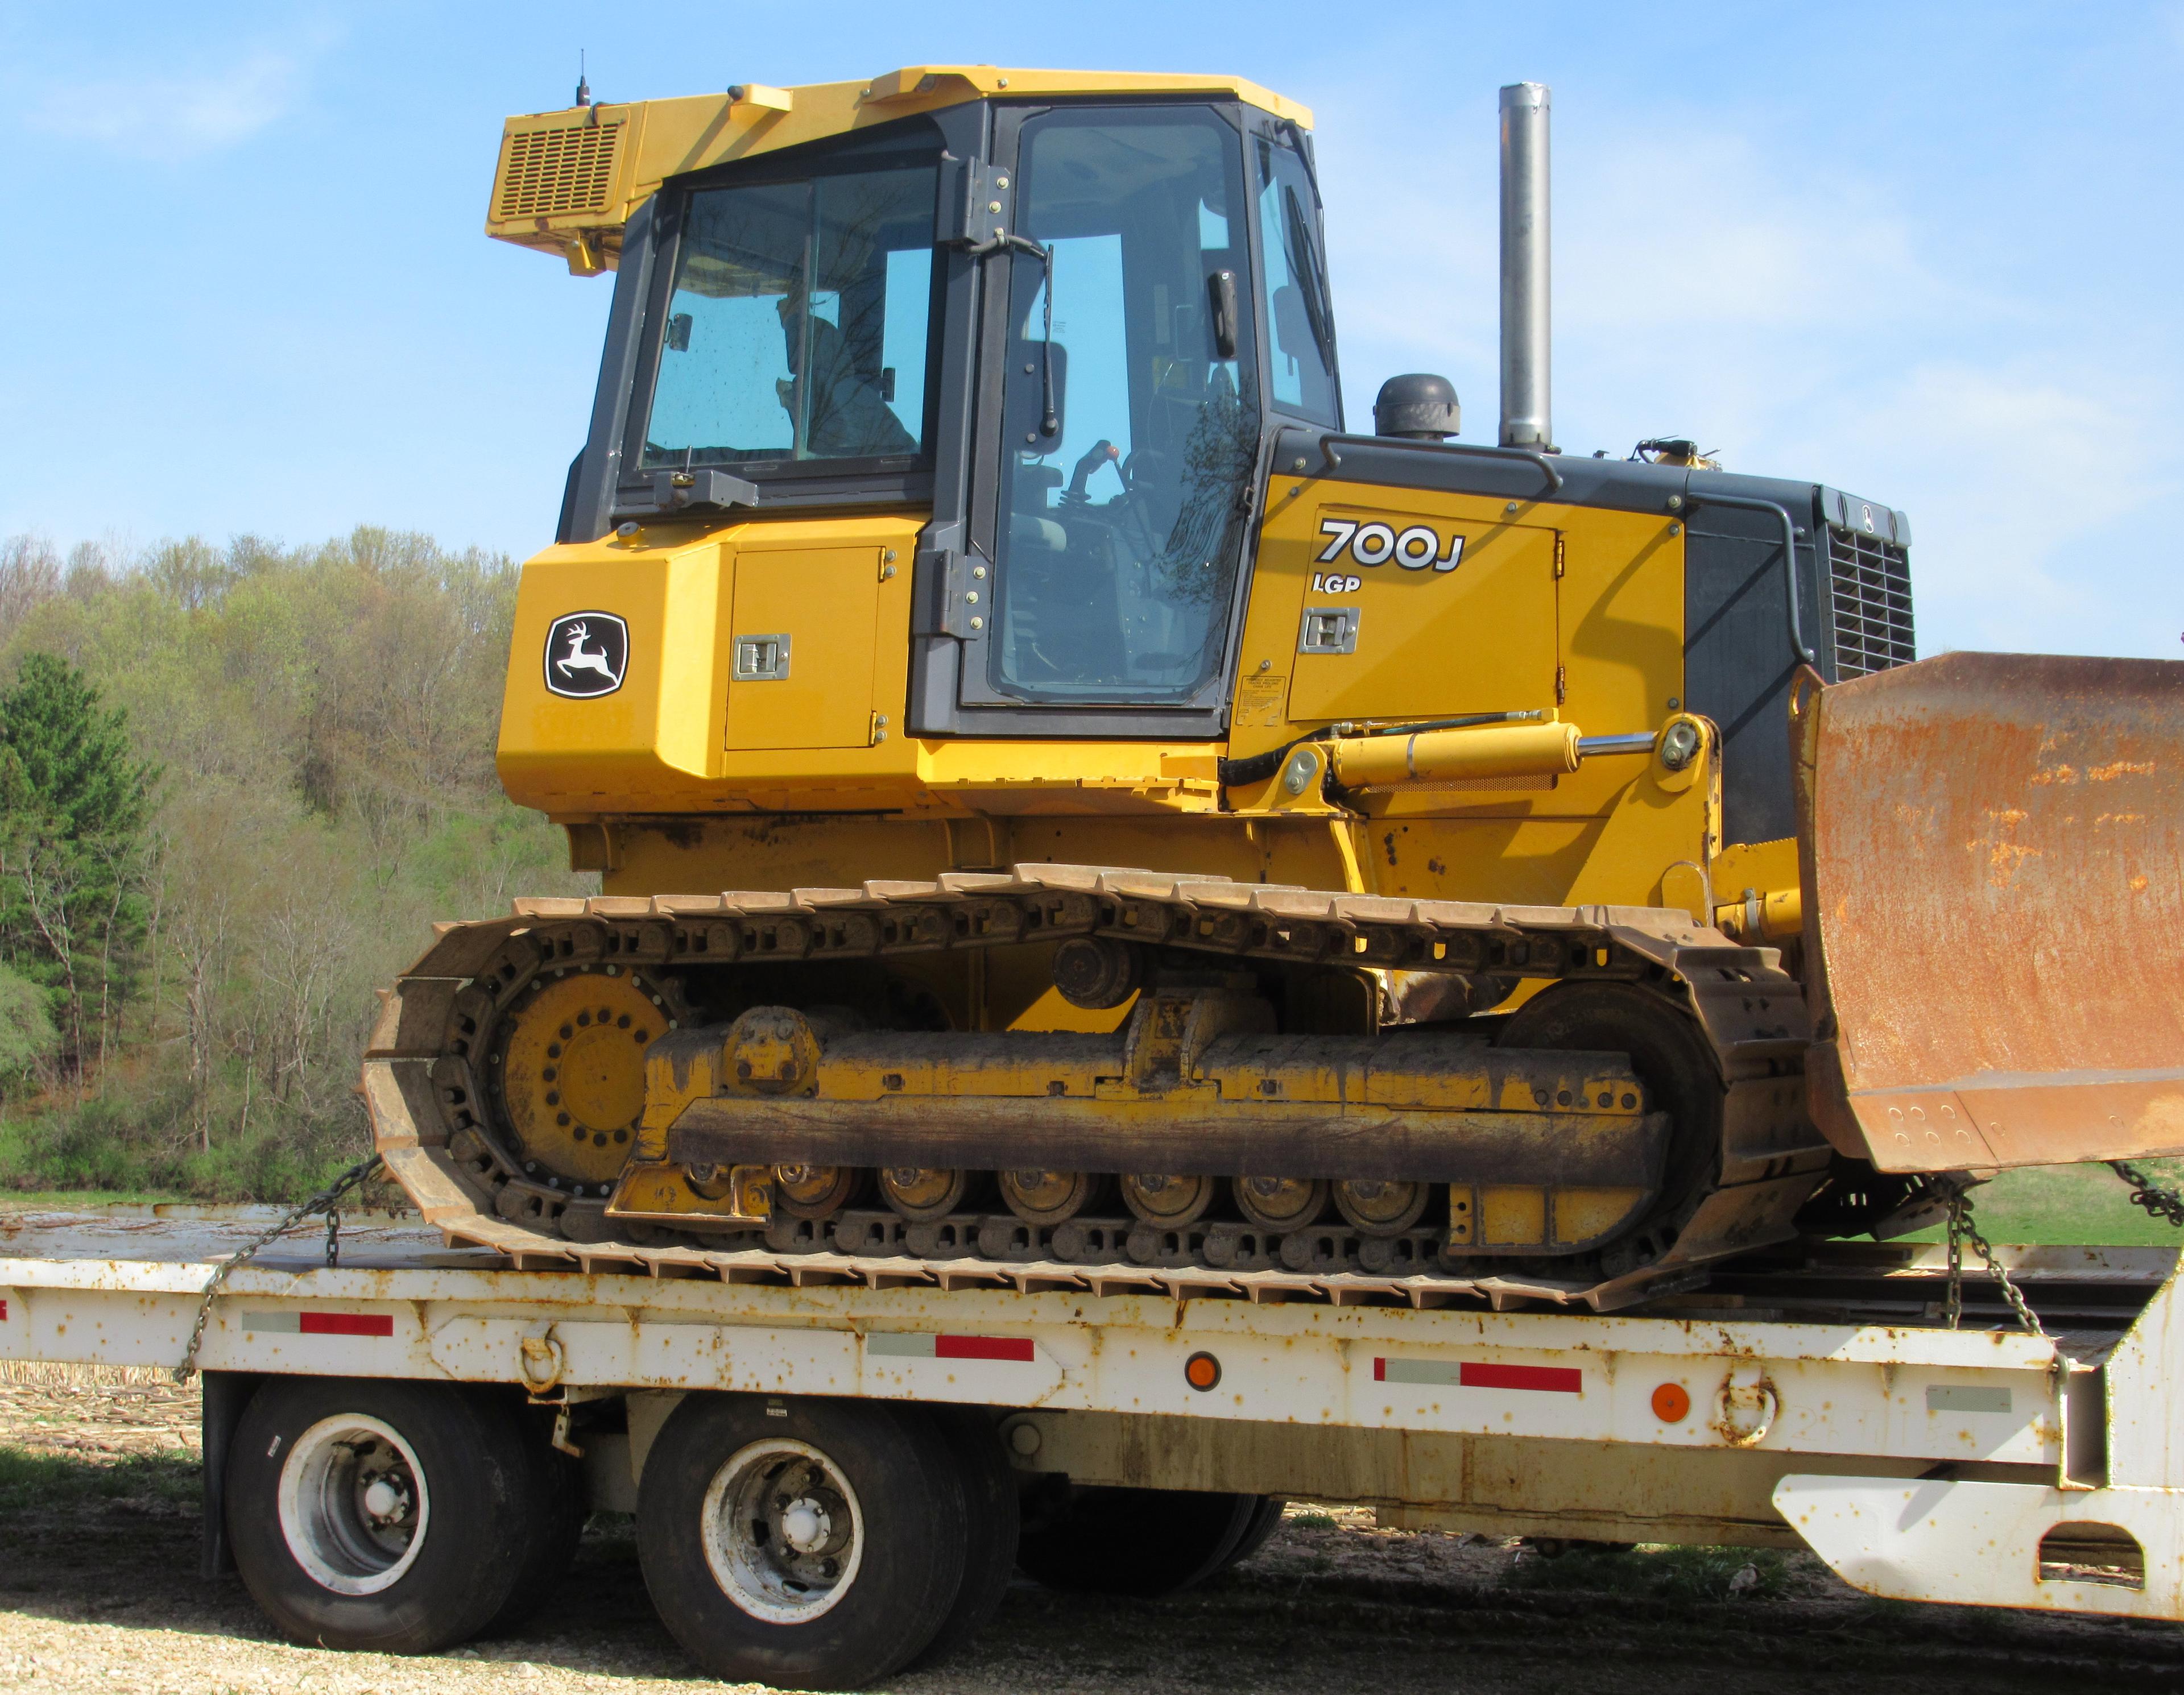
(805, 1525)
(352, 1506)
(1165, 1199)
(1280, 1203)
(383, 1502)
(782, 1530)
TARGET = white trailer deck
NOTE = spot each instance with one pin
(1812, 1395)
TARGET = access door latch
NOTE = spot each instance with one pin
(762, 659)
(1328, 630)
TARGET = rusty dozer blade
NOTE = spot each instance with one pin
(1992, 858)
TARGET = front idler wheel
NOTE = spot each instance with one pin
(1667, 1051)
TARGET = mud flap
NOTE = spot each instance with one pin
(1992, 857)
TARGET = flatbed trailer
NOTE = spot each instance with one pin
(1815, 1396)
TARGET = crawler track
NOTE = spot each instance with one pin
(428, 1111)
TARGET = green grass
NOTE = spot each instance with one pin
(49, 1481)
(16, 1200)
(2070, 1205)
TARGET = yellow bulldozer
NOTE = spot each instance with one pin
(1068, 809)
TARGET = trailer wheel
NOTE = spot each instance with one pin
(817, 1545)
(1265, 1520)
(990, 1489)
(389, 1516)
(554, 1494)
(1132, 1541)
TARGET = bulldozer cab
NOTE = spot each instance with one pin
(1064, 328)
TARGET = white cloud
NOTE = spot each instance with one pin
(2028, 474)
(162, 115)
(1729, 242)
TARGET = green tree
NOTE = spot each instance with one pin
(27, 1029)
(74, 802)
(325, 717)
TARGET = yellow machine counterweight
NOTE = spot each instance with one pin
(1159, 827)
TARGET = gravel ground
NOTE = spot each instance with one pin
(99, 1596)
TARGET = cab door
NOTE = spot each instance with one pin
(1118, 430)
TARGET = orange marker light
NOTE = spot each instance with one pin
(1201, 1371)
(1671, 1403)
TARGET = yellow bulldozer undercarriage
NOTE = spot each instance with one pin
(1455, 1163)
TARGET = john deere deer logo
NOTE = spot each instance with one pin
(586, 654)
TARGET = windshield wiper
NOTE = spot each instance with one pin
(1304, 260)
(1304, 157)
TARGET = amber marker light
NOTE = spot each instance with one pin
(1671, 1403)
(1201, 1371)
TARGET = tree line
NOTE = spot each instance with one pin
(237, 785)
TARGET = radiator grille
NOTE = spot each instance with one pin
(547, 172)
(1870, 583)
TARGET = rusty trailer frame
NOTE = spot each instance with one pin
(1814, 1396)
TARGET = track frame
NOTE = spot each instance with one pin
(420, 1077)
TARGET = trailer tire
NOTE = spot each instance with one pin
(811, 1544)
(1146, 1542)
(383, 1515)
(554, 1492)
(1265, 1520)
(994, 1525)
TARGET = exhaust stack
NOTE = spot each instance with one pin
(1526, 328)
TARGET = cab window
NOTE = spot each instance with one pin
(1301, 329)
(797, 323)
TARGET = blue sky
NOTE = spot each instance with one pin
(1928, 254)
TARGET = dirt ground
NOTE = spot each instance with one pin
(99, 1596)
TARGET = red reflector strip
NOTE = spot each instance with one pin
(4, 1312)
(1017, 1348)
(346, 1324)
(321, 1324)
(1560, 1380)
(1473, 1374)
(923, 1345)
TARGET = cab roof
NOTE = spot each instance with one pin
(568, 181)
